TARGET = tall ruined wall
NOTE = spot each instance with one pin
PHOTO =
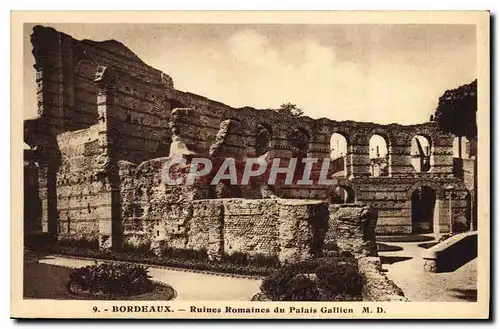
(65, 70)
(141, 120)
(158, 216)
(136, 113)
(83, 192)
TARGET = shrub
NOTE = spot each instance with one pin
(237, 258)
(111, 279)
(317, 279)
(188, 254)
(79, 243)
(39, 241)
(264, 260)
(302, 288)
(340, 277)
(143, 248)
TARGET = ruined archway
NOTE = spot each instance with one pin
(378, 152)
(263, 138)
(341, 194)
(338, 154)
(420, 153)
(423, 209)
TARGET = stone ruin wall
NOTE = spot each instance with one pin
(107, 122)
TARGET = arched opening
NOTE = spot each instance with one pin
(421, 153)
(461, 148)
(423, 204)
(300, 146)
(341, 194)
(163, 149)
(263, 138)
(461, 151)
(338, 154)
(300, 143)
(378, 156)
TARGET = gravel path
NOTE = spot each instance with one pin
(405, 268)
(189, 285)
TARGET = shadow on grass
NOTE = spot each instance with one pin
(49, 282)
(469, 295)
(34, 257)
(393, 259)
(382, 247)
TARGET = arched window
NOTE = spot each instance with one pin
(263, 136)
(338, 146)
(338, 154)
(378, 152)
(341, 194)
(300, 143)
(461, 148)
(420, 153)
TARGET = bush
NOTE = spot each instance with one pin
(111, 279)
(188, 254)
(264, 260)
(337, 278)
(237, 258)
(302, 288)
(39, 241)
(79, 243)
(199, 260)
(317, 279)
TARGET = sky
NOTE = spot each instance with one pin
(375, 73)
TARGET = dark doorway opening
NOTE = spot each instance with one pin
(341, 194)
(423, 202)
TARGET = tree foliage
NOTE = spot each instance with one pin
(456, 111)
(291, 109)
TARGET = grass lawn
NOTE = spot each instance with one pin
(49, 282)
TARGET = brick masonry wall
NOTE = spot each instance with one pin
(83, 194)
(133, 106)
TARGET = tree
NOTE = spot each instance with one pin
(456, 111)
(291, 109)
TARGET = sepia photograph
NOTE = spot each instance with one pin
(209, 165)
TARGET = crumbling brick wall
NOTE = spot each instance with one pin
(141, 118)
(83, 191)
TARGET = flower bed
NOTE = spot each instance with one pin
(110, 280)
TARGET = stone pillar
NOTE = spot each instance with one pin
(442, 155)
(399, 155)
(355, 228)
(359, 156)
(302, 227)
(214, 215)
(109, 225)
(48, 197)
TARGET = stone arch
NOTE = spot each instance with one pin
(300, 139)
(338, 146)
(418, 185)
(379, 155)
(421, 153)
(263, 138)
(461, 147)
(163, 148)
(341, 131)
(350, 189)
(424, 210)
(175, 104)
